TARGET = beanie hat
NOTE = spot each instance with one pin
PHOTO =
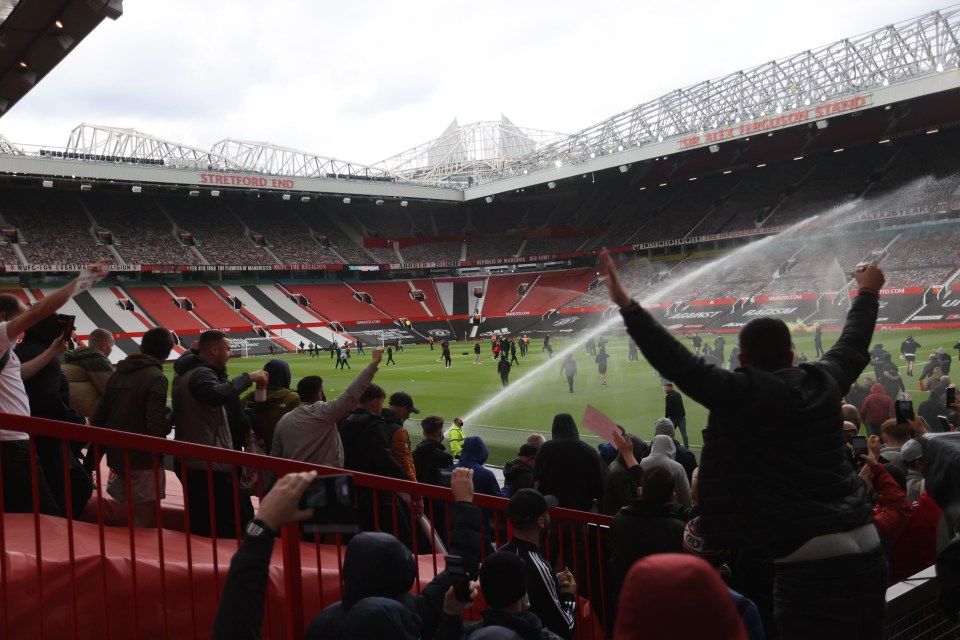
(503, 578)
(664, 427)
(693, 543)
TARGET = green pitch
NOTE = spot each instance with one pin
(505, 417)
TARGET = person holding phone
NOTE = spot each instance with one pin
(810, 511)
(15, 456)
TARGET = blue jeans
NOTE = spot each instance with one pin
(840, 598)
(681, 425)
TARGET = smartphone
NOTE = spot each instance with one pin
(859, 445)
(67, 323)
(944, 423)
(859, 449)
(951, 397)
(903, 410)
(331, 498)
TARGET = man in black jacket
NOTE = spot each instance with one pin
(430, 456)
(366, 441)
(518, 473)
(648, 524)
(553, 597)
(207, 410)
(673, 410)
(810, 510)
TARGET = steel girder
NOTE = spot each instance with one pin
(130, 143)
(887, 56)
(264, 157)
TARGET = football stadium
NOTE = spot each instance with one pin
(246, 282)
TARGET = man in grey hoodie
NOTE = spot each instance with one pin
(309, 432)
(662, 452)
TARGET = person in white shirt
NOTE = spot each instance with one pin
(15, 458)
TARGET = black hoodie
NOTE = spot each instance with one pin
(569, 468)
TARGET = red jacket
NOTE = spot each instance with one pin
(892, 511)
(916, 547)
(877, 406)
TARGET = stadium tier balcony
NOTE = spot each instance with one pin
(480, 248)
(433, 251)
(381, 224)
(217, 231)
(347, 248)
(450, 222)
(493, 219)
(383, 256)
(422, 221)
(542, 246)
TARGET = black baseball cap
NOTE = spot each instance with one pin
(529, 504)
(403, 399)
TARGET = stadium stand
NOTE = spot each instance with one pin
(554, 289)
(53, 228)
(432, 252)
(157, 303)
(336, 302)
(393, 298)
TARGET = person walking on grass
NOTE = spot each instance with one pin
(601, 361)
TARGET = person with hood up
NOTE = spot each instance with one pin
(88, 369)
(378, 573)
(135, 401)
(207, 410)
(681, 581)
(518, 473)
(876, 409)
(280, 400)
(683, 455)
(309, 432)
(569, 468)
(473, 456)
(662, 452)
(945, 360)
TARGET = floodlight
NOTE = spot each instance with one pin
(137, 189)
(305, 199)
(886, 82)
(524, 172)
(714, 148)
(489, 199)
(286, 196)
(346, 201)
(663, 184)
(761, 165)
(940, 67)
(623, 168)
(48, 184)
(378, 202)
(86, 187)
(404, 203)
(693, 179)
(822, 124)
(592, 155)
(193, 194)
(550, 185)
(58, 24)
(838, 150)
(558, 164)
(215, 193)
(619, 147)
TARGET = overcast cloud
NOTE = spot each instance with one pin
(365, 80)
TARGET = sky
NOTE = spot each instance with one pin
(363, 81)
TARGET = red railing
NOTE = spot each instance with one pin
(97, 576)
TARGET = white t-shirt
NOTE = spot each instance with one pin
(13, 396)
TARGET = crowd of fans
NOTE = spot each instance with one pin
(768, 541)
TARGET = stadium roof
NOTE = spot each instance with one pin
(35, 35)
(892, 64)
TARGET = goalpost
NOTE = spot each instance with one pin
(253, 347)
